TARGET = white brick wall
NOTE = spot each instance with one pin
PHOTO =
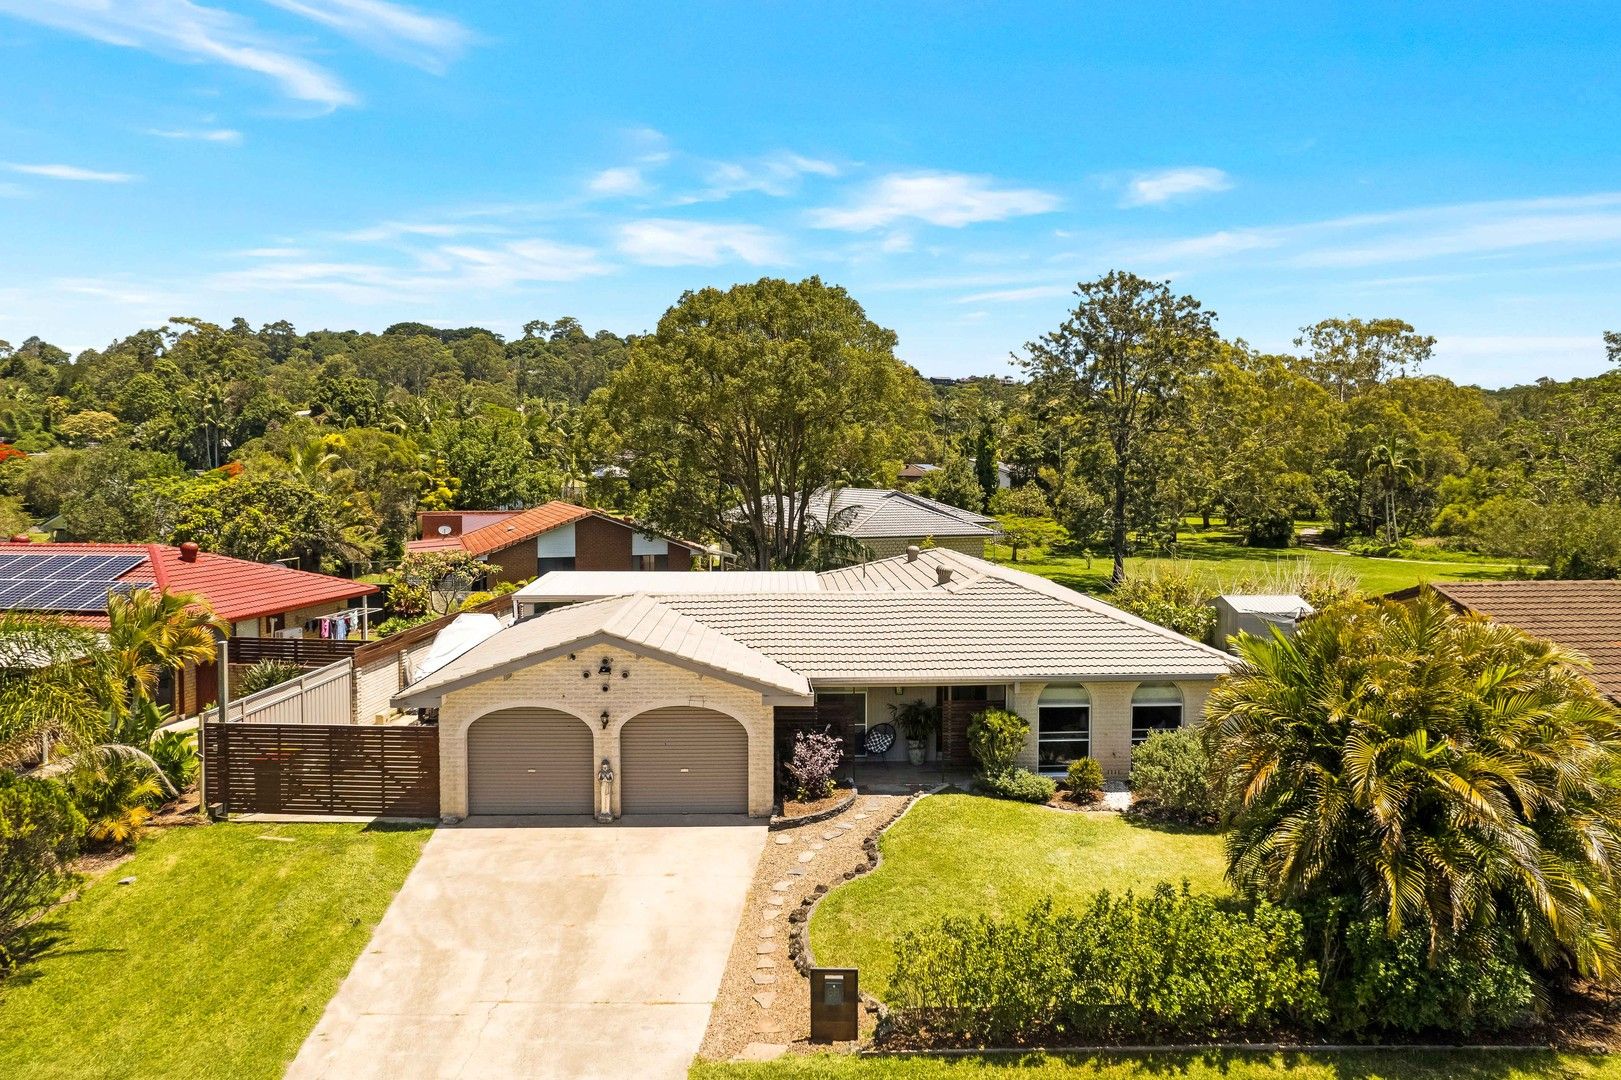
(557, 684)
(1111, 719)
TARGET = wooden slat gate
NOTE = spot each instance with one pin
(322, 769)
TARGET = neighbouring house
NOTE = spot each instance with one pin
(912, 472)
(1579, 616)
(679, 701)
(561, 587)
(271, 608)
(887, 522)
(521, 544)
(1257, 614)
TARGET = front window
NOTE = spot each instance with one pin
(1154, 707)
(1063, 727)
(547, 563)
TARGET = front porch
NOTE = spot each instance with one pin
(903, 778)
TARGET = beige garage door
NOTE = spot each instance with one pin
(529, 761)
(683, 761)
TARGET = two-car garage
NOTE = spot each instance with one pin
(679, 760)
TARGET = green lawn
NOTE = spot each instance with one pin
(965, 854)
(1369, 1065)
(1217, 554)
(216, 962)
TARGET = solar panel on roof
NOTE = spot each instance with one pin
(14, 594)
(80, 567)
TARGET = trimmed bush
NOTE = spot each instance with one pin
(1170, 775)
(1172, 965)
(1020, 784)
(1084, 779)
(815, 758)
(996, 737)
(1392, 985)
(39, 837)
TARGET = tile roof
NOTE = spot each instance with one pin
(874, 513)
(639, 622)
(520, 527)
(1579, 616)
(891, 621)
(572, 586)
(236, 589)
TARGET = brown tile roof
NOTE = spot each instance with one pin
(520, 527)
(1580, 616)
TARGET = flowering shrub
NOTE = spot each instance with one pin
(815, 758)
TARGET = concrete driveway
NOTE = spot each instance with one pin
(565, 949)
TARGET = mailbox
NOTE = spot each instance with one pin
(834, 1002)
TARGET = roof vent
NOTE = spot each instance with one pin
(188, 552)
(912, 552)
(942, 574)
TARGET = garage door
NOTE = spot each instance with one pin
(683, 761)
(529, 761)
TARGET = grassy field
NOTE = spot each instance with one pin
(216, 962)
(1213, 1065)
(965, 854)
(1219, 556)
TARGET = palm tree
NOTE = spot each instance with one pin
(150, 632)
(1430, 770)
(1391, 459)
(52, 685)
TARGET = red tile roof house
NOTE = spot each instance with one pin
(1582, 617)
(522, 544)
(257, 599)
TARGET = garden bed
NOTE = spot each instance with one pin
(795, 813)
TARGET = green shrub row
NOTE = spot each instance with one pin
(1020, 784)
(1169, 965)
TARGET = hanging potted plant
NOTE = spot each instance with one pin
(917, 721)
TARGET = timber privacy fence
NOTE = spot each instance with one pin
(322, 769)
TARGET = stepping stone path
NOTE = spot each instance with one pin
(765, 997)
(796, 871)
(806, 856)
(768, 1027)
(771, 913)
(859, 817)
(832, 834)
(764, 962)
(766, 947)
(763, 978)
(768, 932)
(782, 886)
(818, 847)
(785, 839)
(775, 899)
(761, 1052)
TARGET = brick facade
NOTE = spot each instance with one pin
(557, 684)
(1110, 718)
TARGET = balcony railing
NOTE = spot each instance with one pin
(305, 652)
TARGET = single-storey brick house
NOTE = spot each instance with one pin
(520, 544)
(683, 696)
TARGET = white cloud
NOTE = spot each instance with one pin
(623, 180)
(938, 198)
(428, 41)
(524, 260)
(189, 32)
(1154, 188)
(668, 242)
(1003, 296)
(387, 231)
(217, 135)
(778, 175)
(72, 172)
(196, 33)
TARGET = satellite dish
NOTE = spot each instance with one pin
(444, 530)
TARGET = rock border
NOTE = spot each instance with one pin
(779, 823)
(799, 950)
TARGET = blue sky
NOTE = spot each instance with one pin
(958, 166)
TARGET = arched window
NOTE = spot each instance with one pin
(1063, 727)
(1155, 707)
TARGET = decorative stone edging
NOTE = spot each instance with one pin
(799, 919)
(778, 822)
